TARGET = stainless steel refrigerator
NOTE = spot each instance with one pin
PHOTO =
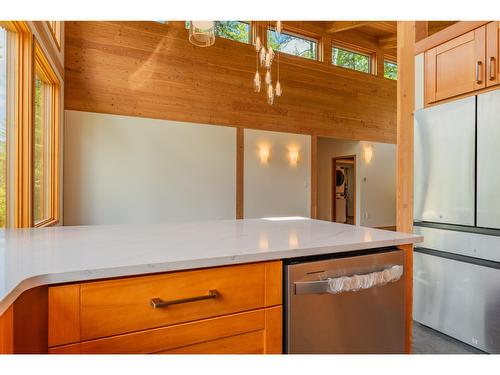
(457, 210)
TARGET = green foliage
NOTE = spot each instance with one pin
(234, 30)
(350, 60)
(292, 45)
(390, 70)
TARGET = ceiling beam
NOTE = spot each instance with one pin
(388, 41)
(338, 26)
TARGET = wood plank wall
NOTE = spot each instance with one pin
(150, 69)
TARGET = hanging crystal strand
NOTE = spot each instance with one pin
(256, 78)
(277, 89)
(258, 45)
(270, 95)
(268, 79)
(262, 55)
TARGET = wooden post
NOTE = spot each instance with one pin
(404, 197)
(240, 167)
(314, 176)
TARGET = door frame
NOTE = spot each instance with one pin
(333, 185)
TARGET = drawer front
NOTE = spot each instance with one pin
(257, 331)
(114, 307)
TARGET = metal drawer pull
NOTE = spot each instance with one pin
(492, 68)
(478, 65)
(351, 283)
(158, 302)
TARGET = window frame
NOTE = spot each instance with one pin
(392, 60)
(371, 54)
(55, 28)
(300, 35)
(47, 74)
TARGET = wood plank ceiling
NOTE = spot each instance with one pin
(385, 32)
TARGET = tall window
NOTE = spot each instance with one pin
(354, 60)
(44, 142)
(293, 44)
(390, 69)
(3, 127)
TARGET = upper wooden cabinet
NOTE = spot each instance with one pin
(492, 53)
(456, 67)
(464, 64)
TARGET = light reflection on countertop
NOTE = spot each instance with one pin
(40, 256)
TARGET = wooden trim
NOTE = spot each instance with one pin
(334, 185)
(45, 39)
(240, 172)
(338, 26)
(421, 30)
(55, 30)
(48, 75)
(314, 176)
(23, 124)
(447, 34)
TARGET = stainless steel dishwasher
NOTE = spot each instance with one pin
(370, 319)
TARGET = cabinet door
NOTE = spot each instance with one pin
(492, 53)
(456, 67)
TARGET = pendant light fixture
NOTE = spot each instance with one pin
(265, 58)
(202, 33)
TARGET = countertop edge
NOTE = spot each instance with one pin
(145, 269)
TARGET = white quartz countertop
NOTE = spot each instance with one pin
(34, 257)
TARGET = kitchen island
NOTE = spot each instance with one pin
(71, 257)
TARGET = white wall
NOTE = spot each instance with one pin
(375, 181)
(121, 169)
(276, 188)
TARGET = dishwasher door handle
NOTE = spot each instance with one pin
(351, 283)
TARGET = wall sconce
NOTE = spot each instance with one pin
(293, 155)
(368, 153)
(264, 154)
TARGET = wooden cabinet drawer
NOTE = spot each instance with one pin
(106, 308)
(257, 331)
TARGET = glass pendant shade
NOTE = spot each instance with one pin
(270, 95)
(268, 61)
(258, 45)
(202, 33)
(256, 82)
(262, 55)
(271, 53)
(277, 90)
(268, 78)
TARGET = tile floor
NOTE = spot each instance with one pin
(428, 341)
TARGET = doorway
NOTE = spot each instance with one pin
(344, 189)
